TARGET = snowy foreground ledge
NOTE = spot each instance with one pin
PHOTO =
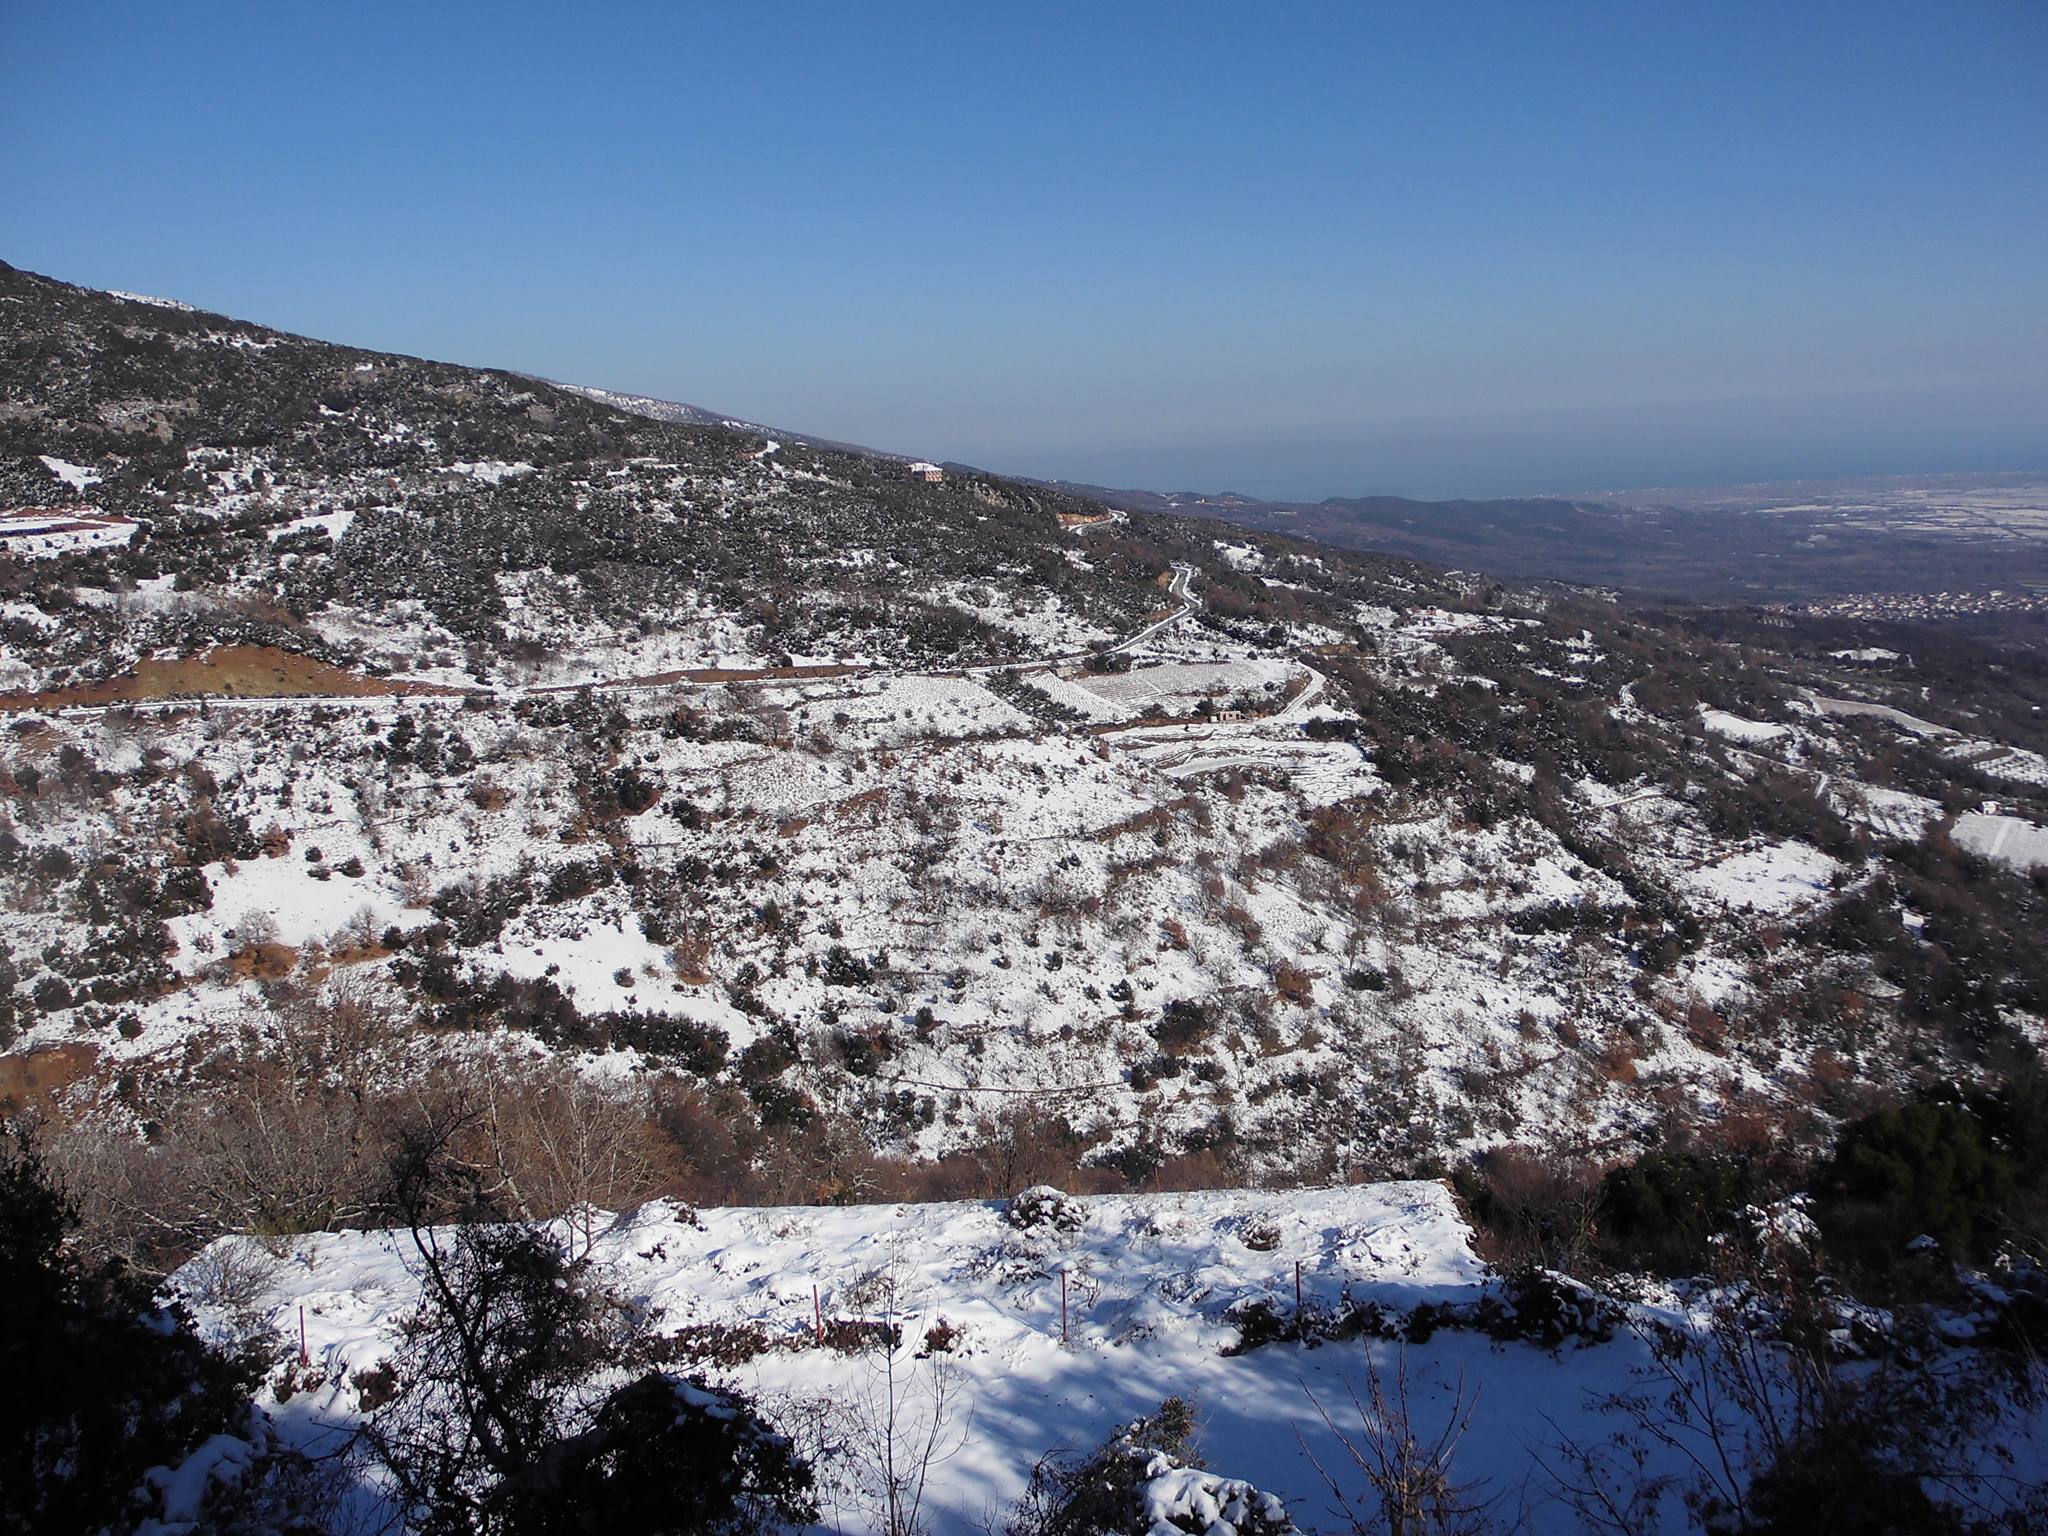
(1152, 1284)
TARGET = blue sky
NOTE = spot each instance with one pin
(1292, 250)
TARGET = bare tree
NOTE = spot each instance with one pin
(1539, 1208)
(1024, 1144)
(560, 1145)
(287, 1132)
(1410, 1478)
(902, 1423)
(903, 1420)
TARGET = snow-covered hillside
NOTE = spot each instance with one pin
(398, 754)
(888, 813)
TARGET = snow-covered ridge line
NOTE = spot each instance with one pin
(152, 300)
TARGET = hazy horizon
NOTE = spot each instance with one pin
(1296, 255)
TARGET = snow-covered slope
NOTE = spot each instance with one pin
(700, 758)
(1049, 1332)
(1149, 1285)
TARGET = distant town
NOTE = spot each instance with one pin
(1922, 607)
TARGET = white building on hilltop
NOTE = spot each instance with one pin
(930, 472)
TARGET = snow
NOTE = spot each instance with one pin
(1063, 1331)
(1893, 812)
(334, 524)
(493, 471)
(1319, 772)
(1176, 687)
(1240, 557)
(2008, 839)
(147, 298)
(588, 969)
(77, 476)
(1177, 1499)
(1736, 728)
(43, 534)
(1777, 878)
(1070, 694)
(1149, 1282)
(286, 892)
(181, 1491)
(1035, 623)
(887, 710)
(1905, 722)
(2015, 765)
(29, 616)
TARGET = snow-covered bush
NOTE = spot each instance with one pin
(498, 1424)
(1174, 1498)
(1145, 1480)
(246, 1482)
(105, 1389)
(1043, 1208)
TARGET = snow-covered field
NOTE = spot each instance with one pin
(40, 535)
(1892, 812)
(1775, 879)
(1736, 728)
(1850, 708)
(2012, 764)
(1151, 1284)
(1177, 687)
(2008, 839)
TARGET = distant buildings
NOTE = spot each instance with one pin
(927, 472)
(1922, 607)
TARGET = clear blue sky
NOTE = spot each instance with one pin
(1292, 250)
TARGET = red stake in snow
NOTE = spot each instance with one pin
(1300, 1321)
(1063, 1306)
(304, 1358)
(818, 1312)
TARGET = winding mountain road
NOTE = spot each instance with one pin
(1180, 588)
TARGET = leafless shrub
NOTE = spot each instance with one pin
(253, 929)
(230, 1276)
(903, 1420)
(559, 1145)
(1537, 1208)
(1411, 1488)
(1768, 1428)
(1294, 984)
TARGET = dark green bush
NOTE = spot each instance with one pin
(102, 1383)
(1657, 1213)
(1927, 1169)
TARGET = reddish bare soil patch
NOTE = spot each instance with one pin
(225, 672)
(35, 1079)
(263, 962)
